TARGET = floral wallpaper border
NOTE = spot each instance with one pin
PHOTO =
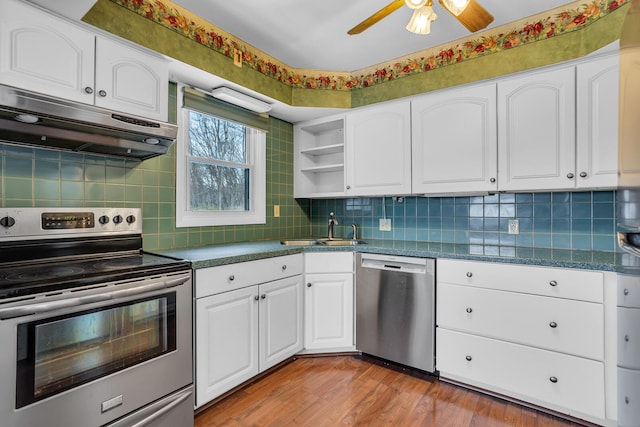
(542, 27)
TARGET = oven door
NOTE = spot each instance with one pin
(90, 356)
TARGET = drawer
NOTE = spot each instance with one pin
(556, 282)
(628, 291)
(328, 262)
(558, 381)
(568, 326)
(629, 337)
(213, 280)
(628, 397)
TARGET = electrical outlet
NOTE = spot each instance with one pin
(514, 226)
(385, 224)
(276, 211)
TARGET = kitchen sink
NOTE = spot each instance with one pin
(321, 241)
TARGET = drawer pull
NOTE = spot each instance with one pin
(469, 274)
(626, 338)
(553, 380)
(626, 292)
(232, 278)
(284, 267)
(553, 283)
(469, 310)
(469, 358)
(553, 325)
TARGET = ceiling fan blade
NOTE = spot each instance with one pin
(379, 15)
(474, 17)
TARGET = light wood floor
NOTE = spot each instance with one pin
(344, 390)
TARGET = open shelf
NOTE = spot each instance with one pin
(324, 150)
(324, 168)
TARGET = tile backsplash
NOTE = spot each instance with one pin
(33, 177)
(567, 220)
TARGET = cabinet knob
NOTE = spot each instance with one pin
(553, 325)
(263, 296)
(257, 298)
(308, 285)
(102, 93)
(232, 278)
(626, 400)
(348, 187)
(469, 358)
(492, 180)
(553, 379)
(88, 90)
(626, 292)
(553, 283)
(570, 175)
(284, 267)
(583, 174)
(469, 274)
(469, 310)
(626, 338)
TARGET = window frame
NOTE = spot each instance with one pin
(256, 161)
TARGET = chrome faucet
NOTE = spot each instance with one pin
(354, 227)
(332, 222)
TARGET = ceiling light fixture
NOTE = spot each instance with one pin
(455, 6)
(422, 18)
(241, 100)
(415, 4)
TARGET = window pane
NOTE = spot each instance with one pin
(219, 188)
(213, 138)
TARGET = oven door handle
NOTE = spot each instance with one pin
(27, 310)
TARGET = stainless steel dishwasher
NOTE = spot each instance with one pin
(395, 309)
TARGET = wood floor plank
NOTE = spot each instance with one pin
(348, 391)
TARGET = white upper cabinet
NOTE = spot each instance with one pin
(127, 80)
(46, 54)
(378, 150)
(597, 128)
(454, 141)
(536, 131)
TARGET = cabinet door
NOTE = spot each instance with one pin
(536, 131)
(42, 53)
(280, 320)
(328, 316)
(131, 81)
(378, 150)
(454, 141)
(597, 129)
(226, 342)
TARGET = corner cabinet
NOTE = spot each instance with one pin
(328, 299)
(454, 141)
(43, 53)
(536, 131)
(378, 150)
(248, 319)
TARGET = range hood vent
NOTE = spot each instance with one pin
(44, 121)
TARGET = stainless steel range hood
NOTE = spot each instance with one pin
(36, 119)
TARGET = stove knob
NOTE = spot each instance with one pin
(7, 222)
(131, 219)
(103, 220)
(117, 219)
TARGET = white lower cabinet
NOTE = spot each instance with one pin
(328, 301)
(536, 334)
(242, 332)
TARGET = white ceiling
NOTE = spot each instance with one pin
(313, 35)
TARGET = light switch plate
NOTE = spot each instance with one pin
(385, 224)
(276, 211)
(514, 226)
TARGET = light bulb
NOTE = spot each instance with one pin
(456, 6)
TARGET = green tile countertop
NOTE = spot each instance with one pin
(211, 256)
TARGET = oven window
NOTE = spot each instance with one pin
(57, 354)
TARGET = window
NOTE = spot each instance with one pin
(221, 166)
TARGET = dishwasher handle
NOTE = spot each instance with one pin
(395, 263)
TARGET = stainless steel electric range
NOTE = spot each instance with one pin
(93, 330)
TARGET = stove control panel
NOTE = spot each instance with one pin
(42, 223)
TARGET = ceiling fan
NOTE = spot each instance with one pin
(469, 12)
